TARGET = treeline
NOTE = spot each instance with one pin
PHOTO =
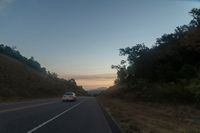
(12, 52)
(31, 62)
(22, 78)
(170, 70)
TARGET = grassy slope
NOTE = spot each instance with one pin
(144, 117)
(19, 81)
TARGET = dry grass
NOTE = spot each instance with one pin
(140, 117)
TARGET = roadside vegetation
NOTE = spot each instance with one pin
(168, 71)
(22, 78)
(158, 89)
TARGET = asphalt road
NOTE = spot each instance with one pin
(53, 116)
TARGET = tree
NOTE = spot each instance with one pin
(195, 13)
(121, 73)
(134, 52)
(180, 31)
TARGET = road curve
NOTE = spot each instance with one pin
(53, 116)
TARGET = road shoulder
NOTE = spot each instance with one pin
(110, 119)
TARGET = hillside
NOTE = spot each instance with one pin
(19, 81)
(169, 71)
(97, 91)
(157, 89)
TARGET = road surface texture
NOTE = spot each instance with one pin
(53, 116)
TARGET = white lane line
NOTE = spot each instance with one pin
(55, 117)
(25, 107)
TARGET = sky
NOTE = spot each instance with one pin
(81, 38)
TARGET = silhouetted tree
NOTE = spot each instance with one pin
(195, 12)
(173, 59)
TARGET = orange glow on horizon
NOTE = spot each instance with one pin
(93, 81)
(92, 84)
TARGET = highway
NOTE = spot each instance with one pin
(53, 116)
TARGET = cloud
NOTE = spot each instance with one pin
(99, 77)
(5, 3)
(93, 81)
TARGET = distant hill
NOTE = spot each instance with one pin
(96, 91)
(20, 81)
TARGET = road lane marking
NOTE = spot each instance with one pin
(25, 107)
(55, 117)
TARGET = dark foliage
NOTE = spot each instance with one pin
(22, 78)
(167, 68)
(12, 52)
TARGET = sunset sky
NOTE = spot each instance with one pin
(80, 38)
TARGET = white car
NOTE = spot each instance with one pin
(69, 96)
